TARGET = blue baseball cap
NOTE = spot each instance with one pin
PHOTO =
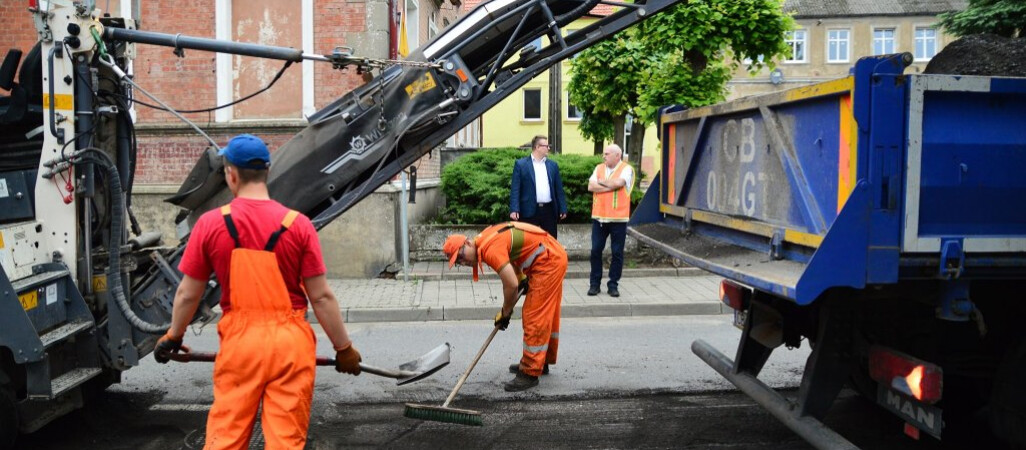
(246, 151)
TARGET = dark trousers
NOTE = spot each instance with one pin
(545, 217)
(617, 234)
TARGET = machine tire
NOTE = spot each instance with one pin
(8, 417)
(1008, 399)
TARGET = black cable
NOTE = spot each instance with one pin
(117, 290)
(190, 111)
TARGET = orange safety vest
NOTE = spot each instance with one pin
(613, 206)
(517, 230)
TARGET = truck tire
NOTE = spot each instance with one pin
(8, 417)
(1008, 399)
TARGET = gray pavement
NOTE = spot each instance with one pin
(433, 292)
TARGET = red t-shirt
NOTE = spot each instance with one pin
(210, 246)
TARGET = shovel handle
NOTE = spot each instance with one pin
(185, 357)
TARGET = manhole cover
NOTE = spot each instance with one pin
(198, 438)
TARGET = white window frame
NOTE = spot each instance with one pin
(749, 61)
(523, 106)
(789, 38)
(837, 41)
(567, 116)
(915, 42)
(224, 90)
(432, 25)
(893, 40)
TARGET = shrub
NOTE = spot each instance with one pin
(477, 186)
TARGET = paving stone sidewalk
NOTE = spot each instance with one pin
(434, 293)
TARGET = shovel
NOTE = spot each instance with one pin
(407, 372)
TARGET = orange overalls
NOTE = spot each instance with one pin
(544, 261)
(267, 356)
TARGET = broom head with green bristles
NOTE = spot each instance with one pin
(443, 414)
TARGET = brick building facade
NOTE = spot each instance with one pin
(167, 148)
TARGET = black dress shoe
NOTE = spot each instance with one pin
(614, 292)
(521, 382)
(593, 291)
(515, 368)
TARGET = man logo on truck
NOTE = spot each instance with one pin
(923, 417)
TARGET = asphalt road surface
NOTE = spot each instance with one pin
(620, 383)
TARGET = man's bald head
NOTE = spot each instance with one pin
(612, 155)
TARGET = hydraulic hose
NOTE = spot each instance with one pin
(563, 20)
(117, 290)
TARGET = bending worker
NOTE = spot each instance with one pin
(520, 251)
(264, 256)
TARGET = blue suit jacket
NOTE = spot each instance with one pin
(522, 197)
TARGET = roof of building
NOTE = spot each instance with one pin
(828, 8)
(601, 10)
(850, 8)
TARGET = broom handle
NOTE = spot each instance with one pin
(463, 378)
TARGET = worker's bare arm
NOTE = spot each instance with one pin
(597, 186)
(187, 298)
(325, 307)
(614, 183)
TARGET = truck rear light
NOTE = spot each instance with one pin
(911, 376)
(734, 295)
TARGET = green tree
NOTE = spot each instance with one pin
(1001, 17)
(604, 83)
(684, 56)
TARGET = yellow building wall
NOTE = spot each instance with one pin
(504, 125)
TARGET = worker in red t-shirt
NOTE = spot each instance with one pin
(268, 262)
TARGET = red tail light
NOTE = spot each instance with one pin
(34, 4)
(734, 295)
(914, 377)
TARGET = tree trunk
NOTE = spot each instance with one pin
(636, 146)
(619, 122)
(599, 147)
(556, 108)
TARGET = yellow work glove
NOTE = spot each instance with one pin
(502, 322)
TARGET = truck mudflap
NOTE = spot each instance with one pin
(806, 426)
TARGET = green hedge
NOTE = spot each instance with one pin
(477, 186)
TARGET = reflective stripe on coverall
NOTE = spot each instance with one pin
(544, 261)
(267, 355)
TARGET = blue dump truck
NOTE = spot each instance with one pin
(881, 218)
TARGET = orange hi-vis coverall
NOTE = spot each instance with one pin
(268, 354)
(544, 261)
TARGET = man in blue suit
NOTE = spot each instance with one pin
(537, 195)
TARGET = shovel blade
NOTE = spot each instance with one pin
(426, 365)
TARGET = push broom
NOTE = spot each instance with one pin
(457, 415)
(444, 413)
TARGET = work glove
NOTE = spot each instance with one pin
(348, 360)
(501, 321)
(166, 346)
(523, 286)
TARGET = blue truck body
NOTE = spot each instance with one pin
(848, 183)
(878, 195)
